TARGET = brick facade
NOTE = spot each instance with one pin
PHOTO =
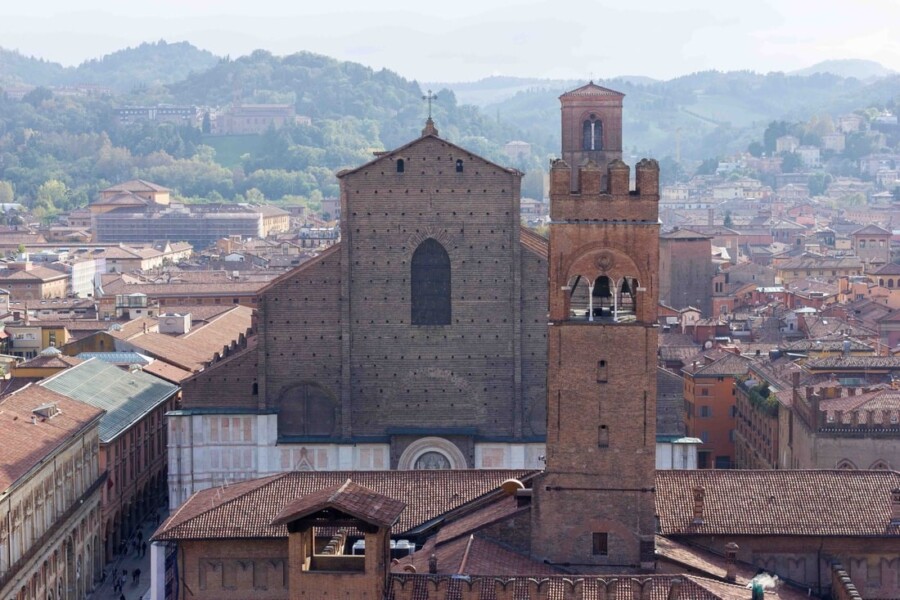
(354, 383)
(594, 504)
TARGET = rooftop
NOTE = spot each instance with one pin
(778, 502)
(126, 396)
(26, 444)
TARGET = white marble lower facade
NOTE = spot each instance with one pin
(207, 450)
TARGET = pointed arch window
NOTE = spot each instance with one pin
(430, 279)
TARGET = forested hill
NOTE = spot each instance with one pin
(145, 66)
(327, 89)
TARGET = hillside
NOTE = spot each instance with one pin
(710, 113)
(850, 67)
(147, 65)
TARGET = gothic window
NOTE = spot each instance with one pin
(401, 166)
(845, 464)
(430, 279)
(306, 409)
(592, 134)
(459, 166)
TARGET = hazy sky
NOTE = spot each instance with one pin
(461, 40)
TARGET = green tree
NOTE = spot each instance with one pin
(707, 167)
(51, 197)
(791, 162)
(756, 149)
(775, 130)
(727, 222)
(206, 127)
(7, 192)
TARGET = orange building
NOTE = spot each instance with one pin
(709, 396)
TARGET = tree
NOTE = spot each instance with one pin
(206, 127)
(51, 196)
(707, 167)
(775, 130)
(756, 149)
(727, 222)
(791, 162)
(7, 192)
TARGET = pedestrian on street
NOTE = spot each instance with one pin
(123, 579)
(143, 548)
(140, 535)
(135, 576)
(121, 596)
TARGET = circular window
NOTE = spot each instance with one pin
(432, 460)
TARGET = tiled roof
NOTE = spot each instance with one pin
(26, 444)
(247, 509)
(164, 370)
(871, 230)
(57, 361)
(125, 396)
(854, 362)
(349, 498)
(684, 234)
(35, 273)
(473, 555)
(778, 502)
(136, 185)
(534, 242)
(193, 350)
(888, 269)
(592, 89)
(730, 364)
(801, 263)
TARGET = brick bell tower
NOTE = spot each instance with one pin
(593, 510)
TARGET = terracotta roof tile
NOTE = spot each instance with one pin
(247, 509)
(779, 502)
(349, 498)
(25, 444)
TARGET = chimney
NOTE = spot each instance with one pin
(674, 589)
(731, 550)
(895, 506)
(795, 379)
(851, 391)
(699, 495)
(433, 564)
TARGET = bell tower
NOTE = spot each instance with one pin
(594, 504)
(591, 126)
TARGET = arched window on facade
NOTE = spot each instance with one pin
(602, 296)
(306, 409)
(592, 134)
(401, 166)
(430, 277)
(459, 166)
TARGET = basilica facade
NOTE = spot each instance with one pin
(419, 341)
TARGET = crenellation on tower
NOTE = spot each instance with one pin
(605, 194)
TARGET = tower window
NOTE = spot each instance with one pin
(601, 372)
(430, 284)
(600, 543)
(401, 166)
(603, 436)
(459, 166)
(592, 134)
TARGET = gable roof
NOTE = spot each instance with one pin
(427, 137)
(871, 230)
(778, 502)
(136, 185)
(592, 89)
(888, 269)
(27, 444)
(730, 364)
(248, 509)
(349, 498)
